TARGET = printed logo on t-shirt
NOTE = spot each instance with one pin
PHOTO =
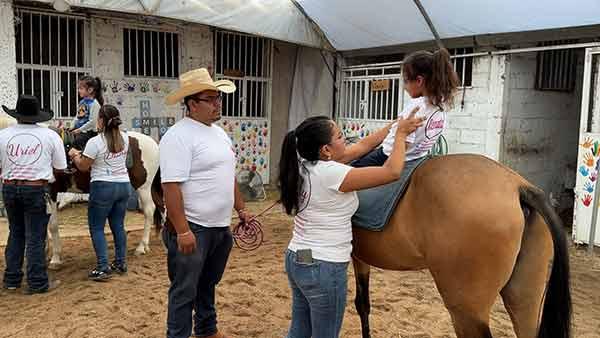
(24, 149)
(435, 125)
(114, 159)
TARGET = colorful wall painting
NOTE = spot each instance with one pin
(141, 103)
(355, 130)
(251, 142)
(588, 167)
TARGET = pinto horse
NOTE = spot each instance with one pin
(482, 231)
(143, 152)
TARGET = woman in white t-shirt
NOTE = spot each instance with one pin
(431, 82)
(320, 190)
(106, 155)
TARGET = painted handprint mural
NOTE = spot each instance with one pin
(588, 167)
(250, 139)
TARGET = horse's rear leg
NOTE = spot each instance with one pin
(362, 302)
(55, 244)
(147, 206)
(524, 293)
(470, 280)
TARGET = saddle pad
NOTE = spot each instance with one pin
(376, 205)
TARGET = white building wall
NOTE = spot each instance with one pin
(132, 94)
(8, 70)
(476, 126)
(542, 127)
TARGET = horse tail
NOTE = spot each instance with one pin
(557, 310)
(157, 197)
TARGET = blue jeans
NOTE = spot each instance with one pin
(108, 200)
(193, 280)
(28, 225)
(376, 158)
(318, 297)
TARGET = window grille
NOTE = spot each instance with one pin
(556, 68)
(50, 57)
(148, 53)
(245, 60)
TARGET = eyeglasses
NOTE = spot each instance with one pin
(210, 99)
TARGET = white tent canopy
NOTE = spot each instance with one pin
(354, 24)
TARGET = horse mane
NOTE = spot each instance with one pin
(7, 121)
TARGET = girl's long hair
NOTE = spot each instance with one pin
(441, 80)
(111, 132)
(96, 84)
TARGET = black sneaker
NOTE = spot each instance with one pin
(120, 269)
(99, 275)
(51, 286)
(11, 288)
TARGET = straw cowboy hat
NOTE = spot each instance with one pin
(28, 110)
(196, 81)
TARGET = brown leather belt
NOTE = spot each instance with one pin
(35, 183)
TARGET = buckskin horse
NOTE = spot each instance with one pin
(482, 231)
(144, 158)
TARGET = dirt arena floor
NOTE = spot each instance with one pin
(253, 298)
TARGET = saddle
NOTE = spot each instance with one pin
(134, 162)
(376, 205)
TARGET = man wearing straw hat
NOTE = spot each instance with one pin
(28, 153)
(198, 177)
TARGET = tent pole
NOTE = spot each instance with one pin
(438, 41)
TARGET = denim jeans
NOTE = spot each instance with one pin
(193, 280)
(318, 297)
(376, 158)
(28, 225)
(108, 200)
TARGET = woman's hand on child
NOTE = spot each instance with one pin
(76, 131)
(409, 124)
(74, 152)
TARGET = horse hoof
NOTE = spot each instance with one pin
(141, 251)
(54, 266)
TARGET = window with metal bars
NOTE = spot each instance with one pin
(556, 69)
(463, 65)
(245, 60)
(50, 58)
(371, 92)
(148, 53)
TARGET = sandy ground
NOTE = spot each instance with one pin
(253, 298)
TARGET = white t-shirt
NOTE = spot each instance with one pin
(323, 222)
(107, 166)
(29, 152)
(202, 159)
(425, 137)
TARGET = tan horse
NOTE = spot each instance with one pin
(483, 231)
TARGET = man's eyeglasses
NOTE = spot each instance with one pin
(209, 99)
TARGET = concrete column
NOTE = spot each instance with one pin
(8, 70)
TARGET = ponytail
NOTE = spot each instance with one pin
(98, 91)
(289, 174)
(96, 84)
(306, 140)
(111, 132)
(441, 81)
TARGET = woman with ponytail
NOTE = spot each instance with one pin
(106, 154)
(319, 189)
(431, 82)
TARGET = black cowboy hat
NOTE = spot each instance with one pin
(28, 110)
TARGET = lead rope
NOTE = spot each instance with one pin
(248, 235)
